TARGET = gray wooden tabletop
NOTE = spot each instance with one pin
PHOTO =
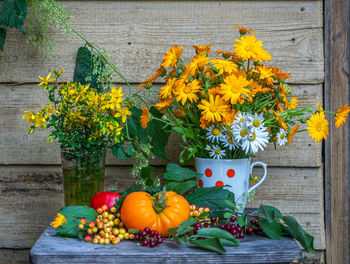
(254, 249)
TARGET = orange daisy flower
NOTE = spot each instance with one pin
(144, 119)
(164, 103)
(341, 115)
(152, 79)
(292, 133)
(243, 30)
(172, 56)
(202, 49)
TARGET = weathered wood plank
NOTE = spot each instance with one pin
(20, 148)
(293, 35)
(14, 256)
(253, 249)
(31, 195)
(337, 147)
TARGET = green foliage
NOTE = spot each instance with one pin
(212, 197)
(84, 66)
(43, 16)
(175, 172)
(13, 13)
(73, 214)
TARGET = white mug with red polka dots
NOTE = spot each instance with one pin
(232, 173)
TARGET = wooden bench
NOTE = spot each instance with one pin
(254, 249)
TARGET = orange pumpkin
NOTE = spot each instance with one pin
(164, 211)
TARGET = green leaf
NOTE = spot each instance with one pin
(118, 151)
(170, 186)
(214, 233)
(146, 174)
(270, 212)
(229, 243)
(228, 215)
(183, 187)
(294, 229)
(13, 13)
(73, 214)
(231, 204)
(83, 72)
(212, 244)
(242, 219)
(272, 229)
(203, 215)
(175, 172)
(191, 221)
(130, 151)
(2, 37)
(212, 197)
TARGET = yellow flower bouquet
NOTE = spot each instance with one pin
(85, 122)
(231, 107)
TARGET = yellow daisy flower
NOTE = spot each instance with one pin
(318, 127)
(167, 89)
(213, 110)
(30, 116)
(164, 103)
(144, 119)
(202, 49)
(247, 48)
(264, 73)
(341, 115)
(187, 92)
(243, 30)
(123, 113)
(58, 221)
(172, 56)
(45, 80)
(224, 65)
(291, 104)
(233, 87)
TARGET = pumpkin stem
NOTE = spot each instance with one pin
(160, 204)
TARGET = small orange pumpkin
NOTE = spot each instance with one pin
(165, 210)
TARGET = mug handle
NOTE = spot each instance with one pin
(262, 164)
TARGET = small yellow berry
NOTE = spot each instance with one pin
(117, 221)
(113, 209)
(118, 215)
(115, 231)
(206, 209)
(126, 235)
(111, 217)
(116, 241)
(105, 214)
(120, 236)
(200, 209)
(81, 226)
(107, 241)
(132, 236)
(195, 213)
(101, 241)
(122, 231)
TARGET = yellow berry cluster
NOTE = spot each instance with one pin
(196, 212)
(107, 228)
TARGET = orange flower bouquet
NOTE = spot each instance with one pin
(231, 107)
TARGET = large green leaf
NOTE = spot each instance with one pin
(270, 212)
(212, 197)
(215, 233)
(73, 214)
(13, 13)
(183, 187)
(175, 172)
(272, 229)
(212, 244)
(294, 229)
(2, 37)
(83, 72)
(146, 174)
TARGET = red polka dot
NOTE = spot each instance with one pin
(230, 173)
(200, 183)
(219, 183)
(208, 173)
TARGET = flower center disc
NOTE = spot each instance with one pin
(256, 123)
(216, 132)
(243, 132)
(187, 90)
(230, 140)
(282, 136)
(318, 126)
(213, 108)
(229, 133)
(217, 151)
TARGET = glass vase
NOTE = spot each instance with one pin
(83, 175)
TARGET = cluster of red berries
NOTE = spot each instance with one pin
(149, 237)
(107, 228)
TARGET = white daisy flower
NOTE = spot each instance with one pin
(282, 137)
(256, 122)
(216, 153)
(214, 134)
(240, 132)
(229, 142)
(240, 119)
(254, 141)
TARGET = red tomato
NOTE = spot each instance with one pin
(101, 198)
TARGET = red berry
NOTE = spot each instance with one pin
(213, 219)
(88, 238)
(144, 242)
(241, 235)
(233, 218)
(207, 225)
(158, 236)
(156, 233)
(147, 230)
(197, 226)
(152, 244)
(136, 237)
(249, 230)
(233, 231)
(160, 240)
(239, 229)
(143, 233)
(253, 222)
(151, 233)
(228, 227)
(91, 224)
(222, 226)
(195, 232)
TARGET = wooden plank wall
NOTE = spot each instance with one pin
(137, 34)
